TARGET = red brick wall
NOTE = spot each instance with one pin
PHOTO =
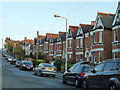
(107, 44)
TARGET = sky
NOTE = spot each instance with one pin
(24, 19)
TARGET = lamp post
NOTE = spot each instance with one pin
(37, 48)
(66, 39)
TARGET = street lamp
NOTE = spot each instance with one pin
(66, 39)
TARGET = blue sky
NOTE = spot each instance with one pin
(23, 19)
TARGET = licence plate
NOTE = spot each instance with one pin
(49, 68)
(28, 67)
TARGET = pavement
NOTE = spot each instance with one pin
(59, 75)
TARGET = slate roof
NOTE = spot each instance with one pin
(48, 35)
(86, 27)
(73, 30)
(106, 19)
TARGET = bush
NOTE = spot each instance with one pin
(58, 64)
(91, 64)
(69, 65)
(41, 61)
(47, 61)
(34, 63)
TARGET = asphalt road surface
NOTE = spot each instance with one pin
(12, 77)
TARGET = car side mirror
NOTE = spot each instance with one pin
(68, 70)
(117, 69)
(93, 71)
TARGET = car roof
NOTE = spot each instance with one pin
(82, 63)
(26, 61)
(113, 60)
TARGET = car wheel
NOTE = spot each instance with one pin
(84, 85)
(53, 75)
(35, 73)
(112, 87)
(77, 83)
(64, 80)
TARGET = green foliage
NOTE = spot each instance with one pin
(47, 61)
(19, 52)
(69, 65)
(34, 63)
(9, 45)
(41, 61)
(58, 64)
(40, 55)
(91, 64)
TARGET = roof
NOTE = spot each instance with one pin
(86, 27)
(48, 35)
(73, 30)
(60, 32)
(42, 36)
(106, 19)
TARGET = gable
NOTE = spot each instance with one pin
(80, 31)
(51, 39)
(98, 22)
(69, 32)
(117, 15)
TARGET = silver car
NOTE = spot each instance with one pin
(45, 69)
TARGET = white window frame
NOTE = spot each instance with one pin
(81, 59)
(70, 43)
(100, 55)
(91, 39)
(115, 35)
(81, 42)
(94, 58)
(59, 47)
(70, 56)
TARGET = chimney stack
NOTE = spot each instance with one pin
(93, 23)
(25, 38)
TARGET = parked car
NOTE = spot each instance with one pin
(26, 65)
(45, 69)
(105, 75)
(10, 59)
(18, 63)
(76, 72)
(13, 61)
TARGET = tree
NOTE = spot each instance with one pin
(40, 55)
(9, 45)
(19, 51)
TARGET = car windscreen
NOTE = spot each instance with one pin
(18, 62)
(48, 65)
(118, 65)
(27, 63)
(87, 68)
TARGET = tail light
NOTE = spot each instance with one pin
(54, 69)
(43, 68)
(82, 74)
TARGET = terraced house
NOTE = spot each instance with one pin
(116, 34)
(98, 40)
(41, 39)
(71, 42)
(59, 46)
(47, 41)
(80, 41)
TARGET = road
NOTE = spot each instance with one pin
(12, 77)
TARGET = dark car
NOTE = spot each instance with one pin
(26, 65)
(76, 72)
(13, 61)
(18, 63)
(105, 75)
